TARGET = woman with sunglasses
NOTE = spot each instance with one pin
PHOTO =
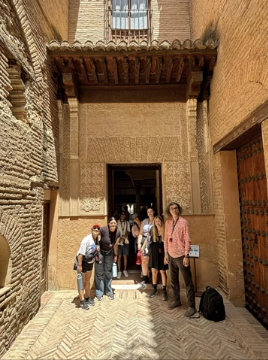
(156, 261)
(177, 247)
(85, 260)
(110, 237)
(143, 240)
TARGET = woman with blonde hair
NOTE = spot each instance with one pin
(143, 238)
(156, 261)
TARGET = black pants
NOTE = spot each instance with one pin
(175, 266)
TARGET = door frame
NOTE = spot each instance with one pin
(110, 181)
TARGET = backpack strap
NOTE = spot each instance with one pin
(201, 302)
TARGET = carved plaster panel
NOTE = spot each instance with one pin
(132, 149)
(178, 184)
(203, 157)
(92, 188)
(191, 116)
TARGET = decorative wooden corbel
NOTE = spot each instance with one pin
(70, 85)
(193, 84)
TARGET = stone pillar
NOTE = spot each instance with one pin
(63, 160)
(204, 158)
(191, 110)
(74, 156)
(230, 196)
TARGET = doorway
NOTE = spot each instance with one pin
(136, 187)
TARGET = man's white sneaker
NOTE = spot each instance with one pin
(125, 273)
(119, 274)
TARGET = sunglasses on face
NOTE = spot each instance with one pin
(96, 229)
(174, 208)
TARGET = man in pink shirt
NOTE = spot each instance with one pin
(177, 247)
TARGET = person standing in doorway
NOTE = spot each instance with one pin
(85, 260)
(135, 230)
(144, 236)
(123, 245)
(110, 237)
(177, 247)
(126, 212)
(156, 261)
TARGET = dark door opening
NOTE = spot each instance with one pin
(137, 187)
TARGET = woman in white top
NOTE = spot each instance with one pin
(143, 239)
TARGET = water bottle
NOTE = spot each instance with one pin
(114, 269)
(79, 282)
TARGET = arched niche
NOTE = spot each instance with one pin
(5, 261)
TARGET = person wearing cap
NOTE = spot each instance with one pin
(110, 237)
(85, 260)
(123, 245)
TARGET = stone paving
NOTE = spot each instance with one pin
(133, 326)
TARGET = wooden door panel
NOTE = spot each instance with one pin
(254, 225)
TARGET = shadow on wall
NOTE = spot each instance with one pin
(211, 32)
(5, 261)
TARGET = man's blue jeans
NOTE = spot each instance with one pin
(104, 275)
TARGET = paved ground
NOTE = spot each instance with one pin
(133, 326)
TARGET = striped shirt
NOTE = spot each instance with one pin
(181, 243)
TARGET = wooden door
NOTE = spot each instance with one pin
(44, 269)
(254, 226)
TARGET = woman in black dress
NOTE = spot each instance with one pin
(156, 261)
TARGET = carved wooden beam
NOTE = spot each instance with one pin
(83, 74)
(169, 69)
(201, 62)
(115, 72)
(125, 67)
(91, 70)
(137, 70)
(101, 70)
(212, 63)
(159, 69)
(112, 69)
(70, 85)
(148, 70)
(180, 69)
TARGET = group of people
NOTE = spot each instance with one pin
(162, 245)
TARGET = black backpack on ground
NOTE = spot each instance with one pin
(211, 305)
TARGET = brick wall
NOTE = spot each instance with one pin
(240, 80)
(28, 155)
(170, 20)
(239, 84)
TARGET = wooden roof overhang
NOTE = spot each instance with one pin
(186, 66)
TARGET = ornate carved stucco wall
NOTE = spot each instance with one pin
(130, 127)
